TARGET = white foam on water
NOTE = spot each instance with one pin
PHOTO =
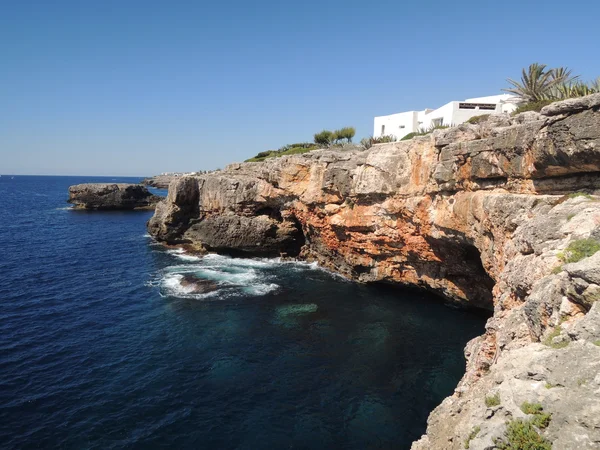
(172, 282)
(261, 289)
(171, 286)
(185, 257)
(213, 258)
(233, 276)
(241, 278)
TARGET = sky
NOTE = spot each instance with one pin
(135, 88)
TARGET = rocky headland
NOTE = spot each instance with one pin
(111, 196)
(501, 215)
(161, 181)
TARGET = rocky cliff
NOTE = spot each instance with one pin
(111, 196)
(501, 215)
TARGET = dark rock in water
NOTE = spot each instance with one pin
(111, 196)
(197, 285)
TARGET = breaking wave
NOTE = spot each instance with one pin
(216, 276)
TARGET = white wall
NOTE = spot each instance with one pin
(398, 125)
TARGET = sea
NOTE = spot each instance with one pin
(102, 346)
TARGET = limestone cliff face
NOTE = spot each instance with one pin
(477, 213)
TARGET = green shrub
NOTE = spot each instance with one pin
(369, 142)
(474, 432)
(531, 408)
(290, 149)
(410, 136)
(384, 139)
(541, 420)
(532, 106)
(492, 400)
(597, 342)
(478, 119)
(577, 250)
(325, 138)
(424, 131)
(580, 194)
(366, 142)
(521, 435)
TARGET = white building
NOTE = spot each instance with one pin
(453, 113)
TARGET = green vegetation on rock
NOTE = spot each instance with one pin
(478, 119)
(555, 333)
(424, 131)
(323, 139)
(492, 400)
(369, 142)
(579, 249)
(531, 408)
(522, 435)
(532, 106)
(291, 149)
(474, 432)
(539, 86)
(540, 419)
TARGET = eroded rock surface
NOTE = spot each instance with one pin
(111, 196)
(480, 214)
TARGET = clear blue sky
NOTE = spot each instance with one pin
(140, 87)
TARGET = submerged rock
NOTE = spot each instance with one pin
(195, 285)
(111, 196)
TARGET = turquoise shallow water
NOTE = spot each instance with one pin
(104, 345)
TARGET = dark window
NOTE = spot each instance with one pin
(486, 106)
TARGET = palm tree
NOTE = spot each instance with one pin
(537, 83)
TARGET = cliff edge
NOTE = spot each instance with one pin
(500, 215)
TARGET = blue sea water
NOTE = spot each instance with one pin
(103, 346)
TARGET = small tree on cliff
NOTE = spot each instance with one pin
(344, 133)
(324, 138)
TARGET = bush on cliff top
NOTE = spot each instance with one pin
(532, 106)
(371, 141)
(290, 149)
(424, 131)
(478, 119)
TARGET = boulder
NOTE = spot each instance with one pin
(111, 196)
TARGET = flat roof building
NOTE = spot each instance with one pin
(452, 113)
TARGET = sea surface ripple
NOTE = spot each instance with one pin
(105, 344)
